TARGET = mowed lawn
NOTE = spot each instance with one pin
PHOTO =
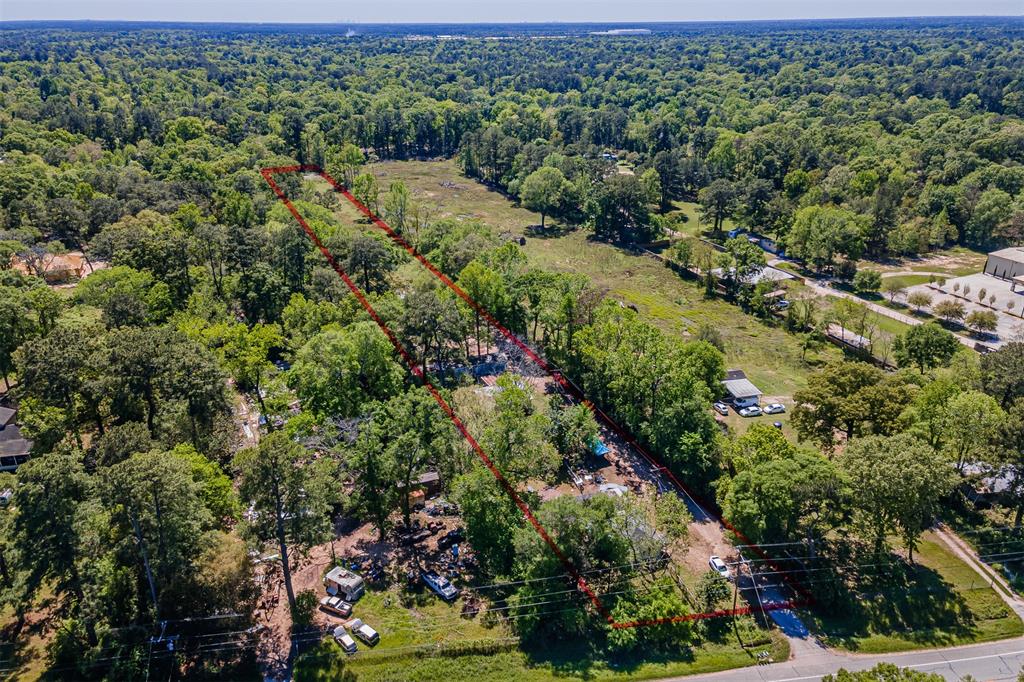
(688, 215)
(465, 649)
(771, 357)
(944, 603)
(560, 662)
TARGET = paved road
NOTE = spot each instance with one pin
(995, 661)
(826, 290)
(992, 662)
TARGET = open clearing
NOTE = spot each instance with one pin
(770, 356)
(561, 663)
(955, 261)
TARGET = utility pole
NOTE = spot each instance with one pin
(757, 592)
(735, 596)
(145, 560)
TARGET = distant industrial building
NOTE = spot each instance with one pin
(1006, 264)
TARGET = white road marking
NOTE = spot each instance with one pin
(912, 665)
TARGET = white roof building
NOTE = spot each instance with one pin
(1006, 263)
(340, 580)
(740, 389)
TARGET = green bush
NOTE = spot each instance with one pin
(306, 603)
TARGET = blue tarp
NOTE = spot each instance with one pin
(599, 448)
(489, 369)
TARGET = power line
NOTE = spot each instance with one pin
(566, 575)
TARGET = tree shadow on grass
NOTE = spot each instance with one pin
(549, 231)
(23, 639)
(913, 603)
(580, 659)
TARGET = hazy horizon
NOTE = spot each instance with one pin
(475, 12)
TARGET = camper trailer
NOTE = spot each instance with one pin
(344, 583)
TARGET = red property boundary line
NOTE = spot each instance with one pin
(268, 175)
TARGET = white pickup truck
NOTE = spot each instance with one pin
(363, 631)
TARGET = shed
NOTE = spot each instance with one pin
(429, 482)
(742, 391)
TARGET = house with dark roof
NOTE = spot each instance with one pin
(15, 449)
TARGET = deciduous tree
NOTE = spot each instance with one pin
(896, 483)
(291, 495)
(927, 346)
(542, 191)
(339, 371)
(1002, 373)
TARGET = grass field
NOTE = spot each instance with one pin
(944, 604)
(907, 281)
(956, 261)
(770, 356)
(561, 663)
(430, 640)
(693, 226)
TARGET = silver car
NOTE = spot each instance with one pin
(344, 640)
(363, 631)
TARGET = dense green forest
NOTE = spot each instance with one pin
(915, 136)
(143, 504)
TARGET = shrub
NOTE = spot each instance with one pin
(982, 320)
(867, 281)
(846, 270)
(306, 603)
(919, 299)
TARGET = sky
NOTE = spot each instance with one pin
(470, 11)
